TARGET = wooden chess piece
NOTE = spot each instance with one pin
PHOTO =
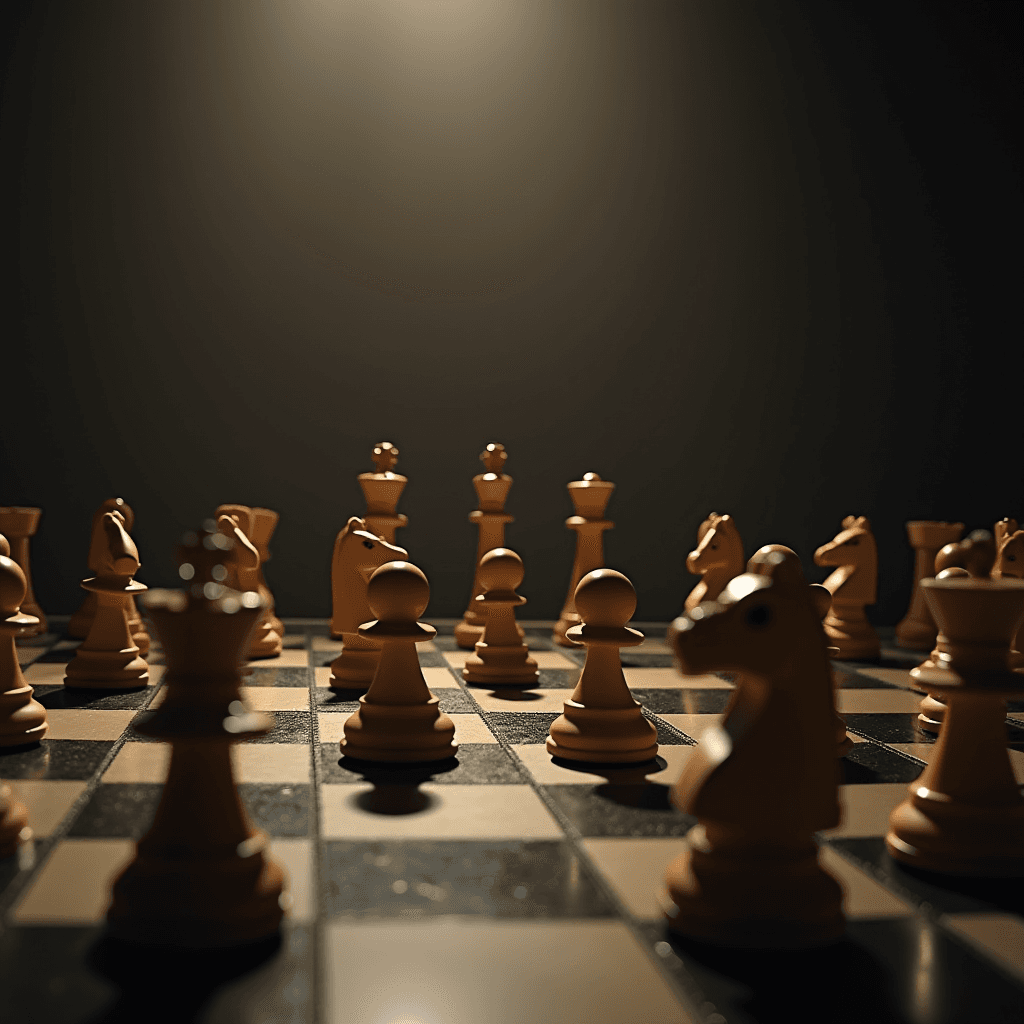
(1010, 565)
(975, 555)
(382, 491)
(853, 584)
(236, 521)
(398, 717)
(108, 658)
(14, 828)
(357, 553)
(492, 489)
(717, 558)
(602, 722)
(264, 522)
(765, 780)
(501, 658)
(22, 717)
(590, 499)
(965, 814)
(201, 877)
(81, 621)
(916, 629)
(18, 525)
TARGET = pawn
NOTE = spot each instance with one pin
(235, 521)
(19, 525)
(14, 828)
(602, 722)
(22, 718)
(398, 717)
(109, 658)
(501, 659)
(81, 621)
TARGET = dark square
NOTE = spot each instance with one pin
(848, 680)
(521, 726)
(122, 810)
(54, 759)
(270, 675)
(59, 696)
(477, 763)
(638, 658)
(638, 810)
(280, 809)
(683, 701)
(431, 659)
(512, 879)
(872, 763)
(889, 728)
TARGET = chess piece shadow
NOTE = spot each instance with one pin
(396, 787)
(142, 975)
(627, 785)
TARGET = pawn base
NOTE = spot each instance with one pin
(957, 838)
(855, 642)
(107, 670)
(399, 732)
(22, 718)
(265, 642)
(755, 897)
(933, 713)
(469, 632)
(495, 666)
(602, 735)
(217, 899)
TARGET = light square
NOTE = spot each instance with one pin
(1001, 936)
(863, 897)
(454, 812)
(469, 970)
(47, 801)
(294, 855)
(276, 698)
(439, 678)
(926, 751)
(139, 762)
(512, 699)
(545, 772)
(866, 809)
(288, 658)
(670, 679)
(279, 763)
(470, 728)
(874, 702)
(73, 886)
(692, 725)
(83, 724)
(635, 869)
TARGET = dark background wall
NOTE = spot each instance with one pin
(755, 257)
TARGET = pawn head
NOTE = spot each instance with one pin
(501, 569)
(12, 582)
(398, 592)
(604, 598)
(777, 562)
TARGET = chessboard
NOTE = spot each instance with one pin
(497, 887)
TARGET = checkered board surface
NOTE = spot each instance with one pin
(505, 888)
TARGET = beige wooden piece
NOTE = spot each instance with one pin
(765, 780)
(237, 522)
(965, 814)
(501, 657)
(917, 630)
(398, 719)
(14, 827)
(382, 491)
(1010, 565)
(19, 525)
(853, 584)
(22, 717)
(590, 499)
(81, 621)
(492, 487)
(357, 553)
(717, 558)
(108, 658)
(264, 523)
(602, 722)
(201, 876)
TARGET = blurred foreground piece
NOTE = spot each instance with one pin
(603, 722)
(81, 621)
(201, 877)
(852, 585)
(14, 828)
(108, 658)
(22, 717)
(765, 780)
(965, 814)
(18, 525)
(492, 489)
(398, 717)
(590, 499)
